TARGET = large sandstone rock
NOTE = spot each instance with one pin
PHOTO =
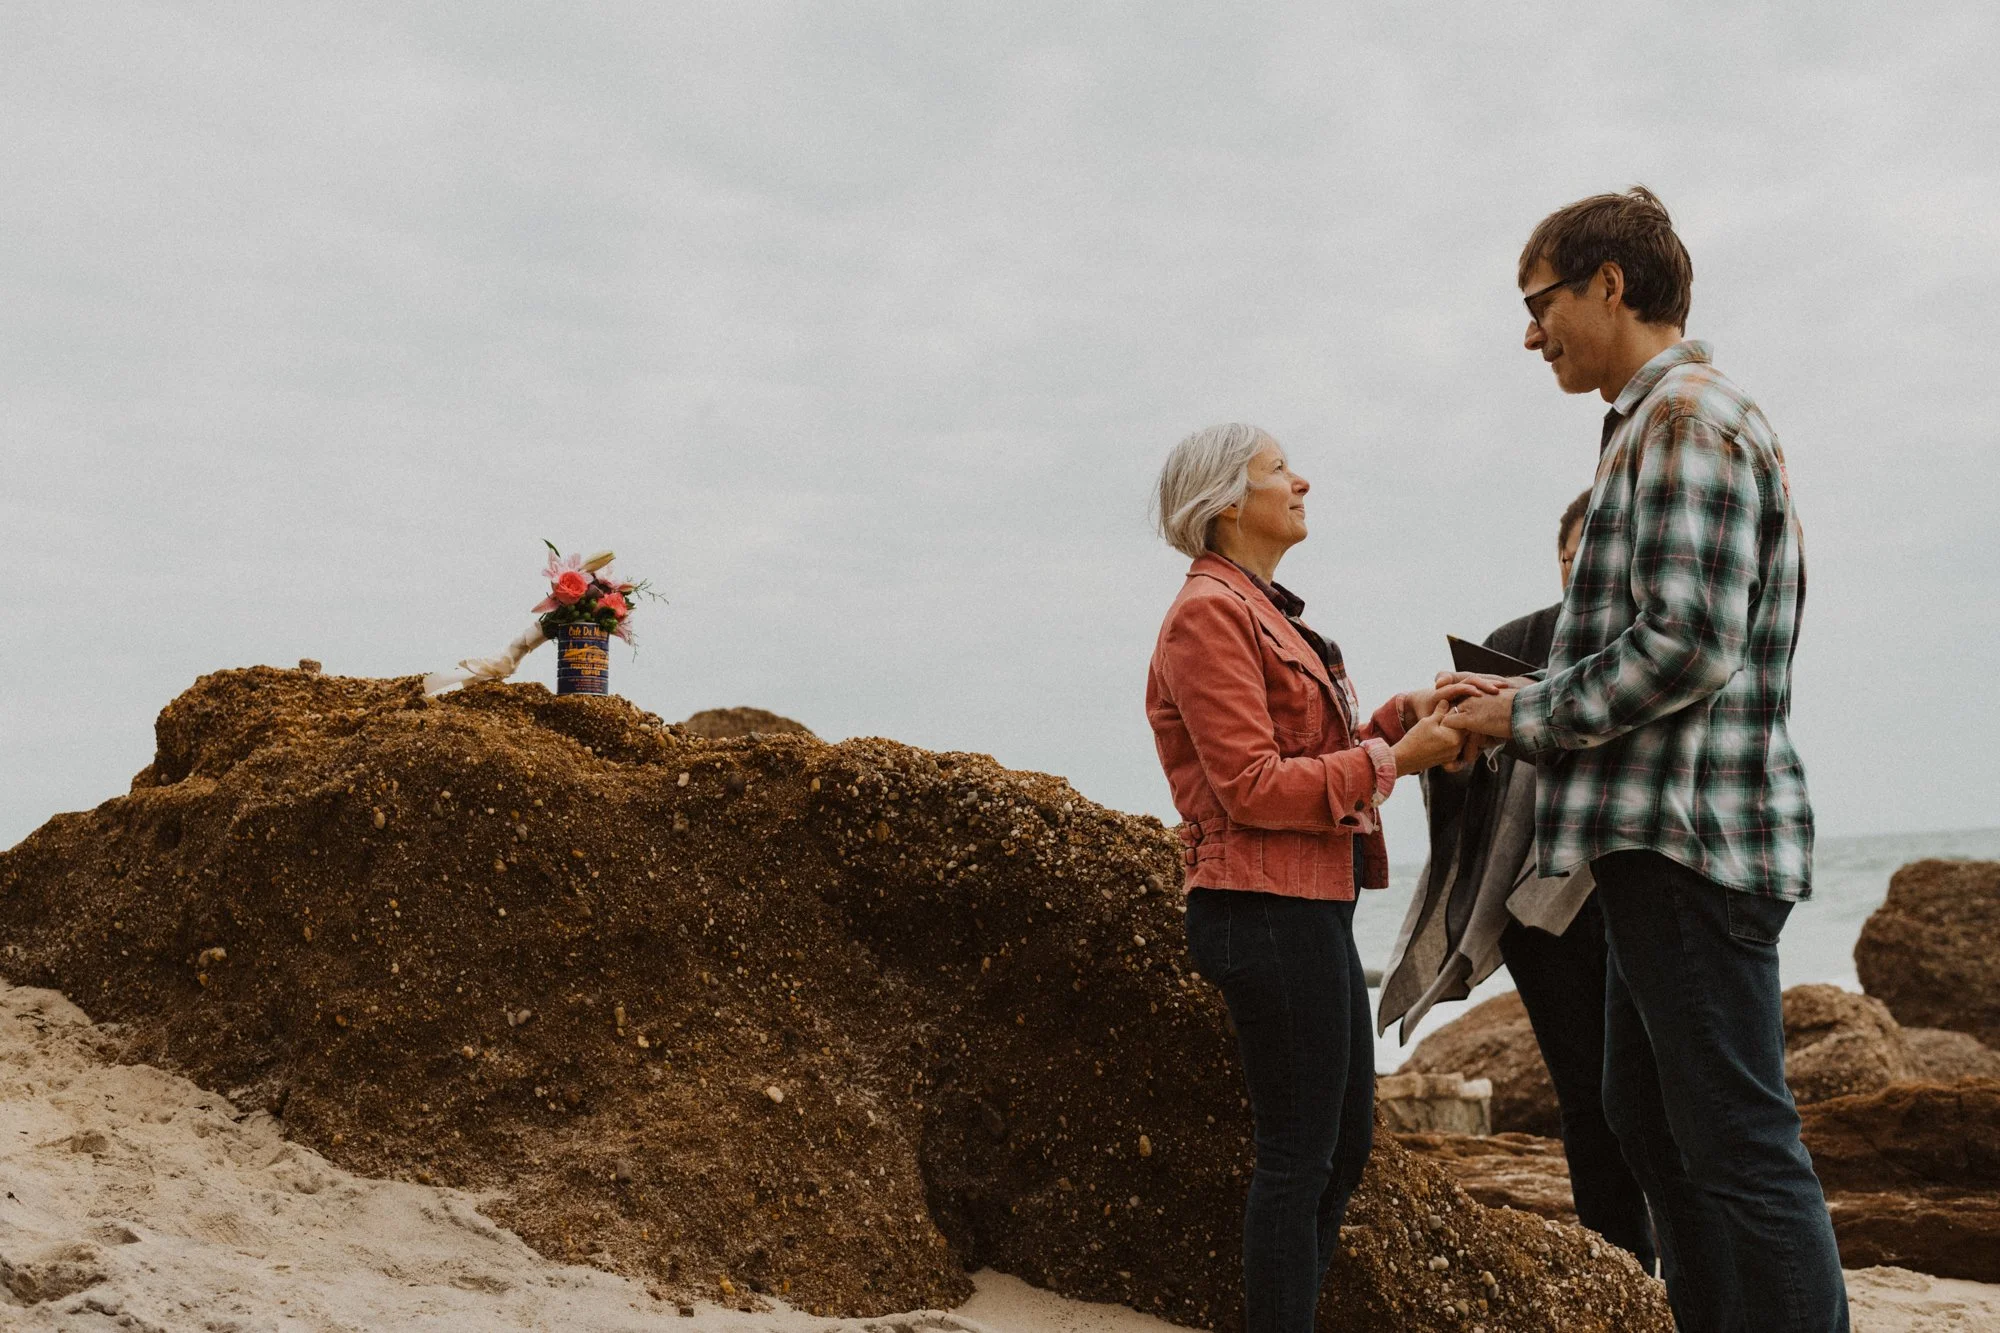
(1838, 1043)
(1492, 1040)
(1912, 1175)
(1939, 1055)
(1928, 951)
(830, 1022)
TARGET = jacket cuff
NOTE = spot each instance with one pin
(1387, 721)
(1350, 788)
(1534, 730)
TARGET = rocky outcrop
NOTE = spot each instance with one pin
(1912, 1176)
(1838, 1043)
(832, 1022)
(1502, 1170)
(1492, 1040)
(721, 724)
(1927, 952)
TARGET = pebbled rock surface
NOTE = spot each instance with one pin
(1927, 952)
(1838, 1043)
(739, 1017)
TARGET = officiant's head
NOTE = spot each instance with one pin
(1231, 490)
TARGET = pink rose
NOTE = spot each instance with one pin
(616, 601)
(569, 586)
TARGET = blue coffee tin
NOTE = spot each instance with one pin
(583, 660)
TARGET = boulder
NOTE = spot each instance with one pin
(1443, 1102)
(719, 724)
(1838, 1043)
(1927, 952)
(1521, 1171)
(1939, 1055)
(1912, 1176)
(1492, 1040)
(739, 1017)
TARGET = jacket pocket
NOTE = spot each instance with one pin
(1298, 711)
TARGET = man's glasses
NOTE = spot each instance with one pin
(1538, 302)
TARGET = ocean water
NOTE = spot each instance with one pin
(1850, 879)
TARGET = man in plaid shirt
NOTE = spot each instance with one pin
(1663, 760)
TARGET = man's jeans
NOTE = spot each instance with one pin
(1293, 981)
(1559, 977)
(1694, 1087)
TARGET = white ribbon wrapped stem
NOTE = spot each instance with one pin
(488, 668)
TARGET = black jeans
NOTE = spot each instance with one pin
(1293, 982)
(1694, 1087)
(1560, 978)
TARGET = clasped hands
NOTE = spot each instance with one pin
(1462, 714)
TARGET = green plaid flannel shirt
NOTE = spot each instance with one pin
(1661, 721)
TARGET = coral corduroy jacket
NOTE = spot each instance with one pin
(1271, 785)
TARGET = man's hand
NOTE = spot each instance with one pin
(1484, 715)
(1422, 703)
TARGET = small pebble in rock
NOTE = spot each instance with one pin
(1438, 1263)
(775, 1093)
(469, 1052)
(380, 818)
(682, 780)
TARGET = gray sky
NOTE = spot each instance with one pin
(863, 329)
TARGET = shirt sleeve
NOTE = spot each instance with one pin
(1693, 536)
(1213, 668)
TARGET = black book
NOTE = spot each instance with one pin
(1469, 656)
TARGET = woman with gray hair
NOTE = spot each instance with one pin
(1277, 776)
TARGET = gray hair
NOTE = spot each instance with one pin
(1205, 474)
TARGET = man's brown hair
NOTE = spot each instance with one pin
(1573, 517)
(1631, 230)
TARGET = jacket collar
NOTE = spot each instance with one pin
(1225, 572)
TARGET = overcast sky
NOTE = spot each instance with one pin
(863, 330)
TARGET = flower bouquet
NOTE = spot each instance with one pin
(587, 605)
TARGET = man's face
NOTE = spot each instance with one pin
(1572, 332)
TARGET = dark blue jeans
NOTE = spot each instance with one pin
(1559, 978)
(1293, 982)
(1694, 1087)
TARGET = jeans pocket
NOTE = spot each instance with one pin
(1753, 918)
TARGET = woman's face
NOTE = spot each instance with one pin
(1274, 507)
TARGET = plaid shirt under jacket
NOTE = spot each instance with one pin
(1661, 722)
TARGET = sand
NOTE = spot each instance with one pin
(134, 1200)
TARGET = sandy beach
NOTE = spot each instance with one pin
(135, 1200)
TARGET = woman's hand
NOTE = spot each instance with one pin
(1450, 688)
(1427, 744)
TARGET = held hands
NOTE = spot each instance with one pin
(1428, 743)
(1486, 716)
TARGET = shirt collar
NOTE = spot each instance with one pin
(1289, 604)
(1649, 375)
